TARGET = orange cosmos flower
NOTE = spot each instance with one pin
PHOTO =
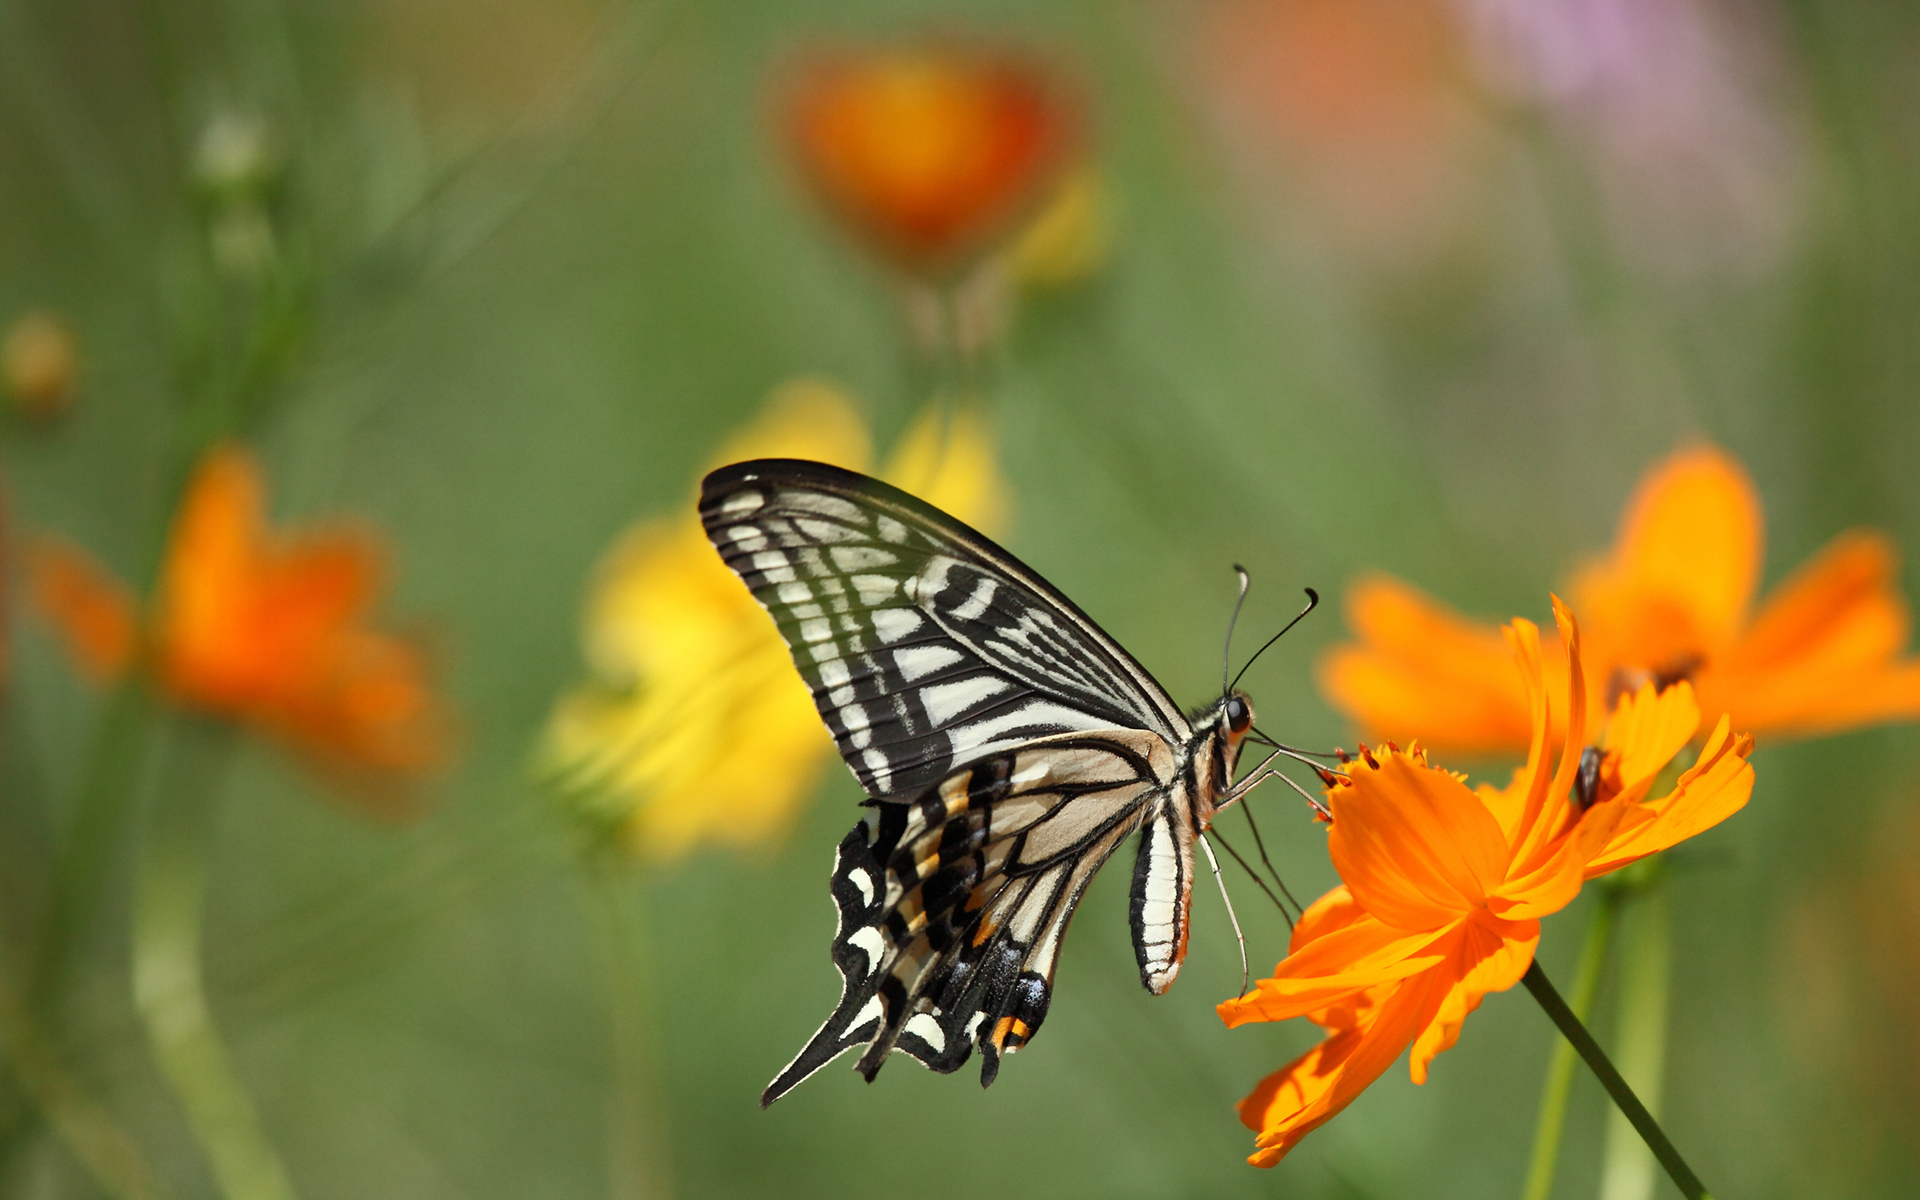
(1672, 600)
(932, 154)
(263, 629)
(1445, 885)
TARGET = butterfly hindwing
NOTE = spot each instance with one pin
(952, 905)
(925, 645)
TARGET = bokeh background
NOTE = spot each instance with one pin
(1411, 285)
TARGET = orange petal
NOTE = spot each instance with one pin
(1421, 669)
(1824, 652)
(1490, 956)
(1646, 730)
(1683, 566)
(1713, 789)
(1415, 846)
(94, 612)
(1544, 810)
(1547, 883)
(1306, 1093)
(1332, 967)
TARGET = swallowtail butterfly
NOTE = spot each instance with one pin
(1007, 745)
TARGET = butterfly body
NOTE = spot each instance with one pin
(1007, 746)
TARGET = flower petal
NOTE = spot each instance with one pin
(94, 612)
(1713, 789)
(946, 458)
(1420, 668)
(1824, 652)
(1646, 730)
(1303, 1095)
(1490, 956)
(1347, 958)
(1415, 846)
(1683, 566)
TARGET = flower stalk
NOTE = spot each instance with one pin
(1623, 1096)
(168, 989)
(82, 1123)
(1553, 1097)
(638, 1163)
(99, 821)
(1640, 1042)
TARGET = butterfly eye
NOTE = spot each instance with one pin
(1239, 714)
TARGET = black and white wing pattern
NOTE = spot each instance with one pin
(952, 908)
(1007, 745)
(926, 645)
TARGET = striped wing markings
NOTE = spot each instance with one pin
(952, 906)
(924, 645)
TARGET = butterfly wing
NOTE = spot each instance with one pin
(952, 906)
(926, 646)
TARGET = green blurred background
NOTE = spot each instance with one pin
(1420, 287)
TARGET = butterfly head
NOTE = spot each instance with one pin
(1229, 724)
(1236, 713)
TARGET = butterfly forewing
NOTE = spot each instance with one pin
(952, 906)
(925, 645)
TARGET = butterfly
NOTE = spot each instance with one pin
(1007, 745)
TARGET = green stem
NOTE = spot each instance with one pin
(99, 820)
(637, 1162)
(1640, 1044)
(1623, 1097)
(90, 1134)
(1553, 1098)
(168, 992)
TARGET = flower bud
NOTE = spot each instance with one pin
(40, 365)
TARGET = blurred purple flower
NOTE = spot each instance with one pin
(1678, 95)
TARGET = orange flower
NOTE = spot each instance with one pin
(1445, 885)
(932, 154)
(1671, 601)
(265, 630)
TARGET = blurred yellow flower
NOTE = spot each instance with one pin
(693, 725)
(1066, 241)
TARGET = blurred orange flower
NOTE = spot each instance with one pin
(1671, 601)
(694, 726)
(1445, 885)
(1358, 106)
(932, 154)
(266, 630)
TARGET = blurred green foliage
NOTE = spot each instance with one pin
(530, 264)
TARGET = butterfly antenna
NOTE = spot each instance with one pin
(1261, 845)
(1254, 875)
(1226, 653)
(1245, 974)
(1313, 602)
